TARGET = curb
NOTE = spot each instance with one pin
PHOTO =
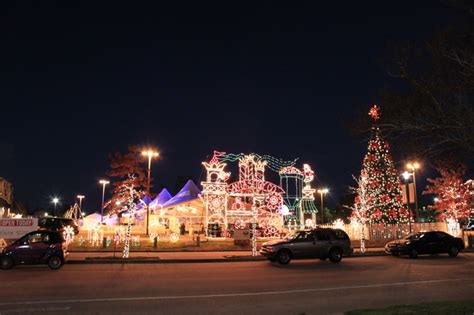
(98, 261)
(106, 260)
(161, 261)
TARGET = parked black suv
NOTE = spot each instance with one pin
(57, 224)
(319, 243)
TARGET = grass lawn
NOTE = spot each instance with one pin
(456, 307)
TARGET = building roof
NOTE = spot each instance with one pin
(189, 192)
(308, 206)
(161, 199)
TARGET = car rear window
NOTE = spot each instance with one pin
(55, 238)
(323, 235)
(341, 235)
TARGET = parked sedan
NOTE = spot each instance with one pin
(38, 247)
(317, 243)
(433, 242)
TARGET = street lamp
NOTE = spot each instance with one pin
(103, 182)
(55, 201)
(406, 176)
(322, 192)
(413, 166)
(80, 197)
(150, 154)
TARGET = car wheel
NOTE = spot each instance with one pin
(335, 255)
(284, 257)
(7, 263)
(55, 262)
(453, 251)
(413, 253)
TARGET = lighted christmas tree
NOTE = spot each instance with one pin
(383, 181)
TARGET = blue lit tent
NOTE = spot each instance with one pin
(187, 193)
(161, 199)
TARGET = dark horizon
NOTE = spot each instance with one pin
(81, 81)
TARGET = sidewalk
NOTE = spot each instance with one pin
(182, 257)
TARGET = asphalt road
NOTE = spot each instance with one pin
(303, 287)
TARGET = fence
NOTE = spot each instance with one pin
(381, 232)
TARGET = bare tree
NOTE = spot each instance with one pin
(432, 109)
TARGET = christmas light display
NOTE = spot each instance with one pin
(136, 240)
(68, 234)
(383, 182)
(453, 197)
(252, 200)
(338, 224)
(307, 203)
(174, 237)
(248, 200)
(453, 227)
(131, 206)
(291, 180)
(363, 204)
(308, 223)
(73, 212)
(299, 195)
(355, 228)
(239, 224)
(153, 236)
(96, 234)
(273, 163)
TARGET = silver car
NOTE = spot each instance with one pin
(319, 243)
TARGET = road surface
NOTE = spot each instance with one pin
(303, 287)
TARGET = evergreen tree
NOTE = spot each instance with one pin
(383, 186)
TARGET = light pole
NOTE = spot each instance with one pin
(413, 166)
(80, 197)
(322, 192)
(150, 154)
(55, 201)
(406, 175)
(103, 182)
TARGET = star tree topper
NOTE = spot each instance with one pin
(375, 113)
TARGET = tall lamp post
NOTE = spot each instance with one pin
(406, 175)
(413, 166)
(322, 192)
(80, 197)
(55, 201)
(103, 182)
(150, 154)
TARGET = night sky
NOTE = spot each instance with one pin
(80, 81)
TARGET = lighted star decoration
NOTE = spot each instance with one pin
(375, 112)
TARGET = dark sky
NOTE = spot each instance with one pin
(81, 80)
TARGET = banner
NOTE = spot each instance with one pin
(16, 228)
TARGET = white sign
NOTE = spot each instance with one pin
(15, 228)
